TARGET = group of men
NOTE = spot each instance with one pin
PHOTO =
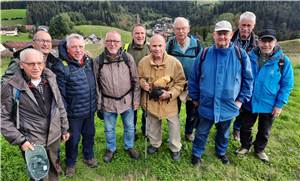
(238, 76)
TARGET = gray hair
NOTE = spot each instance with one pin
(248, 15)
(182, 19)
(73, 36)
(27, 51)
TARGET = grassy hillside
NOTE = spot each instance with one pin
(13, 13)
(283, 150)
(21, 37)
(100, 31)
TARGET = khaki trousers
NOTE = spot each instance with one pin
(153, 131)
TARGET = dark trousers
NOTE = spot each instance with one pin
(237, 123)
(143, 126)
(265, 121)
(86, 128)
(52, 157)
(191, 112)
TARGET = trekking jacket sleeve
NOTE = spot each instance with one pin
(286, 84)
(246, 79)
(11, 70)
(8, 125)
(194, 78)
(59, 70)
(96, 73)
(135, 80)
(179, 80)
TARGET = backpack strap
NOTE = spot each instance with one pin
(238, 53)
(126, 61)
(171, 46)
(281, 63)
(16, 97)
(202, 58)
(126, 46)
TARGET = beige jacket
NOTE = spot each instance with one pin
(150, 72)
(115, 81)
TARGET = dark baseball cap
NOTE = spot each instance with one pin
(267, 33)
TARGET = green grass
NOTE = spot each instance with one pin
(283, 150)
(13, 13)
(100, 31)
(21, 37)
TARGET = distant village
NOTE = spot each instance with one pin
(162, 26)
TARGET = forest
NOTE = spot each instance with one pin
(282, 16)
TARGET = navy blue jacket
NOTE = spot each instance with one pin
(77, 85)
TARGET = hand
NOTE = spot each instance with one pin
(165, 95)
(65, 137)
(27, 146)
(196, 103)
(276, 112)
(146, 86)
(135, 106)
(238, 104)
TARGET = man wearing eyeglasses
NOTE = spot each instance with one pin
(42, 41)
(118, 92)
(41, 118)
(273, 82)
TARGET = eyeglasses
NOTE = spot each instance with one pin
(112, 41)
(43, 41)
(32, 64)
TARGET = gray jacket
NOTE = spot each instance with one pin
(115, 81)
(32, 121)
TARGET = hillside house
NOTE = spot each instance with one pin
(9, 31)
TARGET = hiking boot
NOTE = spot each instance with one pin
(133, 153)
(108, 156)
(92, 163)
(70, 171)
(236, 135)
(176, 155)
(242, 151)
(196, 160)
(224, 159)
(262, 156)
(151, 149)
(189, 137)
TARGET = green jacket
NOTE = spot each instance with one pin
(137, 52)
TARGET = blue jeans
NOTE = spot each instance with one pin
(202, 132)
(86, 128)
(110, 120)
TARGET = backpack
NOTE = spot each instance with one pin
(16, 106)
(171, 46)
(204, 52)
(126, 61)
(281, 63)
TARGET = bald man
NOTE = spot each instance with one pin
(42, 42)
(162, 72)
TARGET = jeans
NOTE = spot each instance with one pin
(110, 120)
(265, 121)
(86, 128)
(202, 132)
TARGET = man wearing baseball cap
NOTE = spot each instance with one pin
(273, 82)
(221, 81)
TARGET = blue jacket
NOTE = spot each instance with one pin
(272, 87)
(186, 62)
(223, 80)
(77, 85)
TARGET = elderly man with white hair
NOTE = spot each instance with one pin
(244, 37)
(31, 106)
(185, 48)
(77, 85)
(221, 81)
